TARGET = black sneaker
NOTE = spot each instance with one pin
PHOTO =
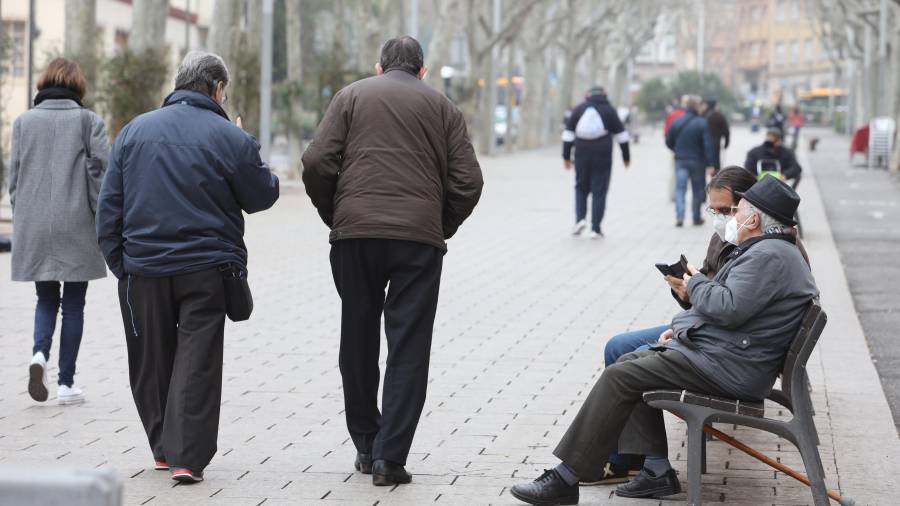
(679, 223)
(612, 473)
(386, 473)
(648, 485)
(363, 463)
(699, 222)
(548, 490)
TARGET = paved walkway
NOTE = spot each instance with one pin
(525, 311)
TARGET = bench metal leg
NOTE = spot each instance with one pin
(696, 445)
(706, 438)
(813, 463)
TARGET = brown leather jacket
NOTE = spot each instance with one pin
(392, 160)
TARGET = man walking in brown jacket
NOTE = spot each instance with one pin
(393, 174)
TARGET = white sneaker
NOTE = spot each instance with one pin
(69, 395)
(595, 235)
(37, 378)
(579, 227)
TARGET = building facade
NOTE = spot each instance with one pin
(186, 28)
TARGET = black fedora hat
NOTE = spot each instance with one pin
(775, 198)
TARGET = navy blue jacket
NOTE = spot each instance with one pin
(614, 127)
(689, 138)
(177, 181)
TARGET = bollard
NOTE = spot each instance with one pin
(22, 486)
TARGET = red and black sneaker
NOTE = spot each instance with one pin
(184, 475)
(160, 465)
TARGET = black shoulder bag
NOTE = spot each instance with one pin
(93, 167)
(238, 299)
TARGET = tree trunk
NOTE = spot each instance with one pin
(531, 109)
(293, 10)
(148, 29)
(570, 59)
(223, 28)
(438, 54)
(510, 140)
(81, 39)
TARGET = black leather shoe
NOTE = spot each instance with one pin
(548, 490)
(386, 473)
(648, 485)
(363, 463)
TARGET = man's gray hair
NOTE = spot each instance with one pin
(768, 224)
(692, 102)
(201, 71)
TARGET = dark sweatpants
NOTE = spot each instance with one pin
(593, 169)
(411, 271)
(614, 416)
(175, 328)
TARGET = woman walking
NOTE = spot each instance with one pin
(59, 154)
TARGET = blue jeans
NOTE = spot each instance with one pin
(636, 340)
(45, 313)
(696, 174)
(592, 174)
(631, 341)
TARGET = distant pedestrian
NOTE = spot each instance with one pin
(591, 130)
(58, 156)
(676, 111)
(694, 157)
(776, 118)
(773, 156)
(170, 224)
(393, 175)
(796, 120)
(718, 129)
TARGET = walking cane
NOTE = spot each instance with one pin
(844, 501)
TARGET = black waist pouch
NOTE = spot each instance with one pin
(238, 299)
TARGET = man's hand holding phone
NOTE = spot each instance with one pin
(666, 336)
(679, 286)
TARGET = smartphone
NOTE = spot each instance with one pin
(678, 269)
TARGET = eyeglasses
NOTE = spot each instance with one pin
(725, 211)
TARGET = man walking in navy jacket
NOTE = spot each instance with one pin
(689, 138)
(169, 222)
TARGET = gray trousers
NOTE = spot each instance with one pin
(614, 416)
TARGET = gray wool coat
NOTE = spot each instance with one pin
(743, 320)
(54, 238)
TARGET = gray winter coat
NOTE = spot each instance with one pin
(743, 320)
(54, 238)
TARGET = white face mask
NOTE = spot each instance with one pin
(732, 228)
(719, 223)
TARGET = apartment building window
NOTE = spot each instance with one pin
(809, 51)
(795, 52)
(795, 9)
(16, 32)
(754, 50)
(779, 53)
(780, 10)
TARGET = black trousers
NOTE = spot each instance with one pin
(411, 272)
(175, 328)
(614, 416)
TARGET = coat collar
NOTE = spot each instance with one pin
(398, 73)
(195, 99)
(749, 243)
(58, 103)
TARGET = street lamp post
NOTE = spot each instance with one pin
(265, 92)
(31, 27)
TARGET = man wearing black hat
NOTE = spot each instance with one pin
(591, 129)
(762, 157)
(731, 343)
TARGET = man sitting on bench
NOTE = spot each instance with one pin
(731, 343)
